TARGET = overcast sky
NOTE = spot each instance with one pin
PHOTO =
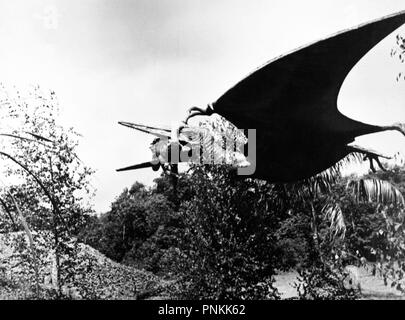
(148, 61)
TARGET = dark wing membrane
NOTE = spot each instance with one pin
(137, 166)
(302, 87)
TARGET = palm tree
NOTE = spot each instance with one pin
(319, 190)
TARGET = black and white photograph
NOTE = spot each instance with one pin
(185, 150)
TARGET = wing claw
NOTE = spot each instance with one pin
(197, 111)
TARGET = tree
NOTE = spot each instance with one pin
(375, 231)
(52, 181)
(229, 246)
(142, 228)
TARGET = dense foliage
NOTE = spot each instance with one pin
(221, 236)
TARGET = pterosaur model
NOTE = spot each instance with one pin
(292, 103)
(195, 143)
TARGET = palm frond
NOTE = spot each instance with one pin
(375, 190)
(333, 212)
(323, 182)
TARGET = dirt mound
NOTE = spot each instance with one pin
(98, 278)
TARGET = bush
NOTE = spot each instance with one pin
(229, 247)
(323, 282)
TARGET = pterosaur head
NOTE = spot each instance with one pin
(215, 142)
(159, 147)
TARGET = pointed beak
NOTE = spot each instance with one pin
(158, 132)
(127, 124)
(138, 166)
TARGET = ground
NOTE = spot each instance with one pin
(372, 287)
(113, 280)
